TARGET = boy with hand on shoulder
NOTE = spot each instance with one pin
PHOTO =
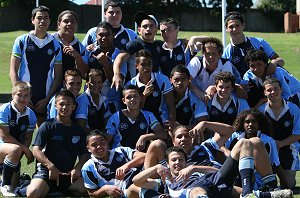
(58, 143)
(109, 172)
(17, 123)
(133, 127)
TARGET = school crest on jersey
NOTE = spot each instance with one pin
(75, 139)
(230, 110)
(12, 123)
(287, 123)
(236, 59)
(30, 48)
(186, 109)
(50, 51)
(163, 58)
(123, 41)
(123, 126)
(155, 94)
(179, 57)
(142, 126)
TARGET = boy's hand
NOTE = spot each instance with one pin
(113, 191)
(28, 154)
(75, 174)
(121, 171)
(54, 174)
(40, 106)
(141, 143)
(149, 88)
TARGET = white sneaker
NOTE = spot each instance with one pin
(7, 191)
(286, 193)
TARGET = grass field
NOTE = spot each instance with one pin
(286, 45)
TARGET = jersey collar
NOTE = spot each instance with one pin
(284, 110)
(139, 83)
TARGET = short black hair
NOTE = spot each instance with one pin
(180, 69)
(67, 12)
(169, 20)
(142, 53)
(41, 8)
(269, 81)
(65, 92)
(106, 25)
(130, 87)
(212, 42)
(177, 150)
(225, 77)
(256, 55)
(233, 16)
(95, 132)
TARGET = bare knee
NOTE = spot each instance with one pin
(37, 188)
(133, 191)
(155, 153)
(195, 192)
(243, 147)
(15, 153)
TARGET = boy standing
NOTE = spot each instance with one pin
(17, 123)
(57, 145)
(36, 58)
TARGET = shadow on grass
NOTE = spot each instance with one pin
(296, 190)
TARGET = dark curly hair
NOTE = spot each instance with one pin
(265, 125)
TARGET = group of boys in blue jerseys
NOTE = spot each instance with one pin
(155, 119)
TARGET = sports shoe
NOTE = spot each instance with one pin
(251, 195)
(7, 191)
(286, 193)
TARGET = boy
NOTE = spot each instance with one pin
(156, 88)
(109, 172)
(190, 110)
(285, 117)
(17, 123)
(203, 69)
(173, 49)
(102, 58)
(36, 58)
(58, 143)
(147, 28)
(133, 127)
(240, 44)
(72, 82)
(93, 108)
(225, 105)
(257, 61)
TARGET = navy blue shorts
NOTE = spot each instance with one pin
(64, 181)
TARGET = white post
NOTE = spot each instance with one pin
(37, 3)
(102, 9)
(298, 7)
(223, 22)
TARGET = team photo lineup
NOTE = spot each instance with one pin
(170, 118)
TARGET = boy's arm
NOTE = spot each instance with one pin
(82, 123)
(171, 106)
(14, 67)
(137, 160)
(287, 141)
(117, 78)
(106, 190)
(76, 172)
(222, 131)
(143, 179)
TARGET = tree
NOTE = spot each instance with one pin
(240, 5)
(278, 6)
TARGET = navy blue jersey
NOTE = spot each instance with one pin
(126, 131)
(61, 144)
(228, 113)
(18, 123)
(169, 58)
(189, 108)
(153, 48)
(236, 53)
(38, 58)
(286, 124)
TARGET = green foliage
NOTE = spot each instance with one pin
(232, 4)
(278, 6)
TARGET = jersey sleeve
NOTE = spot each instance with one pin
(198, 106)
(286, 92)
(58, 52)
(90, 178)
(18, 46)
(82, 108)
(42, 135)
(51, 110)
(194, 66)
(266, 47)
(113, 124)
(166, 82)
(83, 53)
(243, 105)
(32, 121)
(4, 115)
(296, 113)
(152, 121)
(89, 38)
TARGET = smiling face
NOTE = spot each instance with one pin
(64, 106)
(97, 145)
(182, 138)
(273, 92)
(224, 89)
(21, 99)
(73, 84)
(105, 37)
(144, 66)
(67, 24)
(148, 30)
(236, 30)
(95, 85)
(132, 99)
(41, 21)
(212, 57)
(176, 162)
(258, 68)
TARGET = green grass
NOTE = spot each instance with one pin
(286, 45)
